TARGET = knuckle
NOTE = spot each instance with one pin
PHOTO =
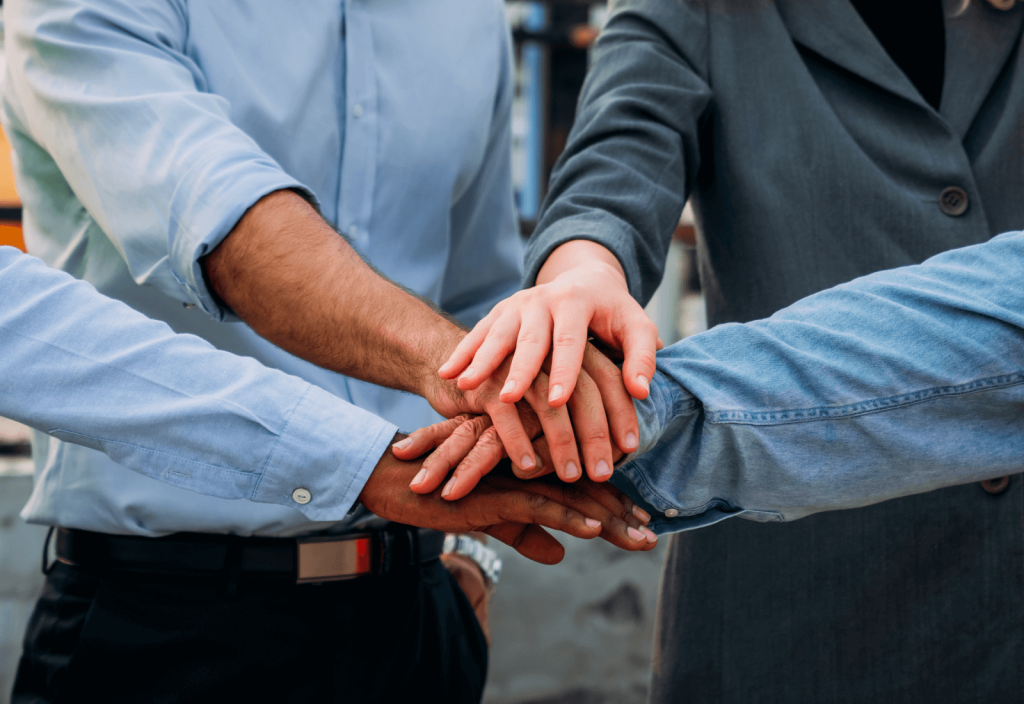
(596, 434)
(566, 339)
(529, 336)
(537, 502)
(561, 438)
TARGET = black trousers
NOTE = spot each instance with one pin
(408, 636)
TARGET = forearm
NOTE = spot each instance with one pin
(90, 370)
(297, 283)
(897, 383)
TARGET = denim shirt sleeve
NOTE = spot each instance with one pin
(90, 370)
(897, 383)
(91, 76)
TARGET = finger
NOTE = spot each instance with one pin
(503, 499)
(450, 453)
(532, 542)
(509, 427)
(591, 426)
(544, 466)
(617, 503)
(567, 343)
(531, 350)
(618, 405)
(499, 344)
(557, 429)
(465, 350)
(480, 459)
(639, 344)
(422, 441)
(571, 498)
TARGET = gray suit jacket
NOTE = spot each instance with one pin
(811, 160)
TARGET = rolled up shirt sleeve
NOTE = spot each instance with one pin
(95, 75)
(90, 370)
(897, 383)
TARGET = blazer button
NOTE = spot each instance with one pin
(996, 486)
(953, 201)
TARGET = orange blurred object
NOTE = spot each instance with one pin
(10, 222)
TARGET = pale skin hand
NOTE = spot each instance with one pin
(510, 510)
(581, 290)
(286, 273)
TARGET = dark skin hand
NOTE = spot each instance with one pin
(509, 509)
(289, 275)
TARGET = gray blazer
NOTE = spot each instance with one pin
(811, 160)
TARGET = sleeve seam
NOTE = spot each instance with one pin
(860, 408)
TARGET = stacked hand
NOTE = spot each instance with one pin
(539, 393)
(511, 510)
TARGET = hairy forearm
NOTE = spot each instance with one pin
(297, 283)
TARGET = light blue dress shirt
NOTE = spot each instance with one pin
(91, 371)
(143, 130)
(897, 383)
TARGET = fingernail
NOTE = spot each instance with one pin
(527, 462)
(631, 441)
(642, 380)
(592, 523)
(601, 470)
(448, 488)
(420, 477)
(402, 444)
(651, 537)
(467, 373)
(509, 386)
(634, 534)
(444, 368)
(571, 470)
(555, 393)
(641, 514)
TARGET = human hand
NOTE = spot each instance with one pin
(474, 585)
(599, 401)
(580, 290)
(469, 445)
(509, 509)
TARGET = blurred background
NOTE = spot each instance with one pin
(576, 633)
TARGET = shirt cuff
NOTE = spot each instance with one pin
(324, 456)
(207, 214)
(594, 228)
(670, 410)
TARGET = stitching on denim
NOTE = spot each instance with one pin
(806, 415)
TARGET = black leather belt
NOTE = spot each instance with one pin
(307, 560)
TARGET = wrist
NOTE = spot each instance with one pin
(580, 254)
(443, 395)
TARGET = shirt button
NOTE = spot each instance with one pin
(671, 513)
(301, 496)
(953, 201)
(357, 110)
(996, 486)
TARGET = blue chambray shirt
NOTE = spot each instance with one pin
(90, 370)
(143, 130)
(896, 383)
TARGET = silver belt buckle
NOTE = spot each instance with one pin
(334, 558)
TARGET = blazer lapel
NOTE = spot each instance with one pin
(979, 42)
(835, 31)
